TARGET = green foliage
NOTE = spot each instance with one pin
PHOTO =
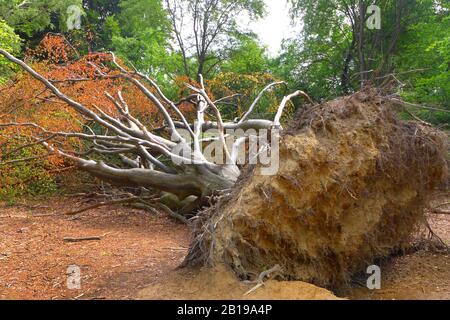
(31, 18)
(315, 65)
(247, 57)
(9, 41)
(144, 34)
(332, 57)
(316, 59)
(206, 32)
(138, 31)
(25, 178)
(425, 50)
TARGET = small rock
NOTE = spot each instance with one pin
(23, 230)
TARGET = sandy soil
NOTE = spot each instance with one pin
(220, 284)
(136, 249)
(138, 254)
(420, 275)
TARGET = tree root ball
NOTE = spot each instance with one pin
(352, 186)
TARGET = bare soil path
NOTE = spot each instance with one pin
(138, 250)
(420, 275)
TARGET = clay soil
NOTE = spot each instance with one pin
(136, 249)
(139, 252)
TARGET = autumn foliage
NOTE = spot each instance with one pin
(87, 79)
(24, 99)
(247, 86)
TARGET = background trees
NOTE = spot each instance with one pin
(174, 41)
(206, 30)
(139, 32)
(336, 53)
(32, 19)
(11, 42)
(426, 48)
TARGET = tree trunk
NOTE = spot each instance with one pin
(198, 181)
(362, 60)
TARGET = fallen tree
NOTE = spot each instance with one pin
(352, 186)
(168, 159)
(352, 183)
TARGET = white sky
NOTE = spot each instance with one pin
(276, 26)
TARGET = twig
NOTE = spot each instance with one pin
(43, 215)
(77, 297)
(440, 211)
(420, 106)
(416, 117)
(168, 211)
(443, 204)
(176, 249)
(261, 277)
(433, 234)
(95, 238)
(102, 204)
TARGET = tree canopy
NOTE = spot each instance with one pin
(334, 53)
(11, 42)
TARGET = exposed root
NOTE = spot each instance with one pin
(353, 185)
(434, 236)
(261, 278)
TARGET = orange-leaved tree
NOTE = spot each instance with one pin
(27, 166)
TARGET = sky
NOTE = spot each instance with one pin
(275, 26)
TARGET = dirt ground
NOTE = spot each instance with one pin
(136, 249)
(220, 284)
(138, 253)
(420, 275)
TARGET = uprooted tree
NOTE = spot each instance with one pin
(155, 159)
(352, 184)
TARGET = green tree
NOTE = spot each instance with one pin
(32, 19)
(248, 56)
(11, 42)
(423, 62)
(141, 33)
(336, 53)
(138, 31)
(98, 24)
(206, 31)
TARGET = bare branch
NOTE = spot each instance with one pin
(255, 102)
(286, 99)
(220, 125)
(149, 159)
(419, 106)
